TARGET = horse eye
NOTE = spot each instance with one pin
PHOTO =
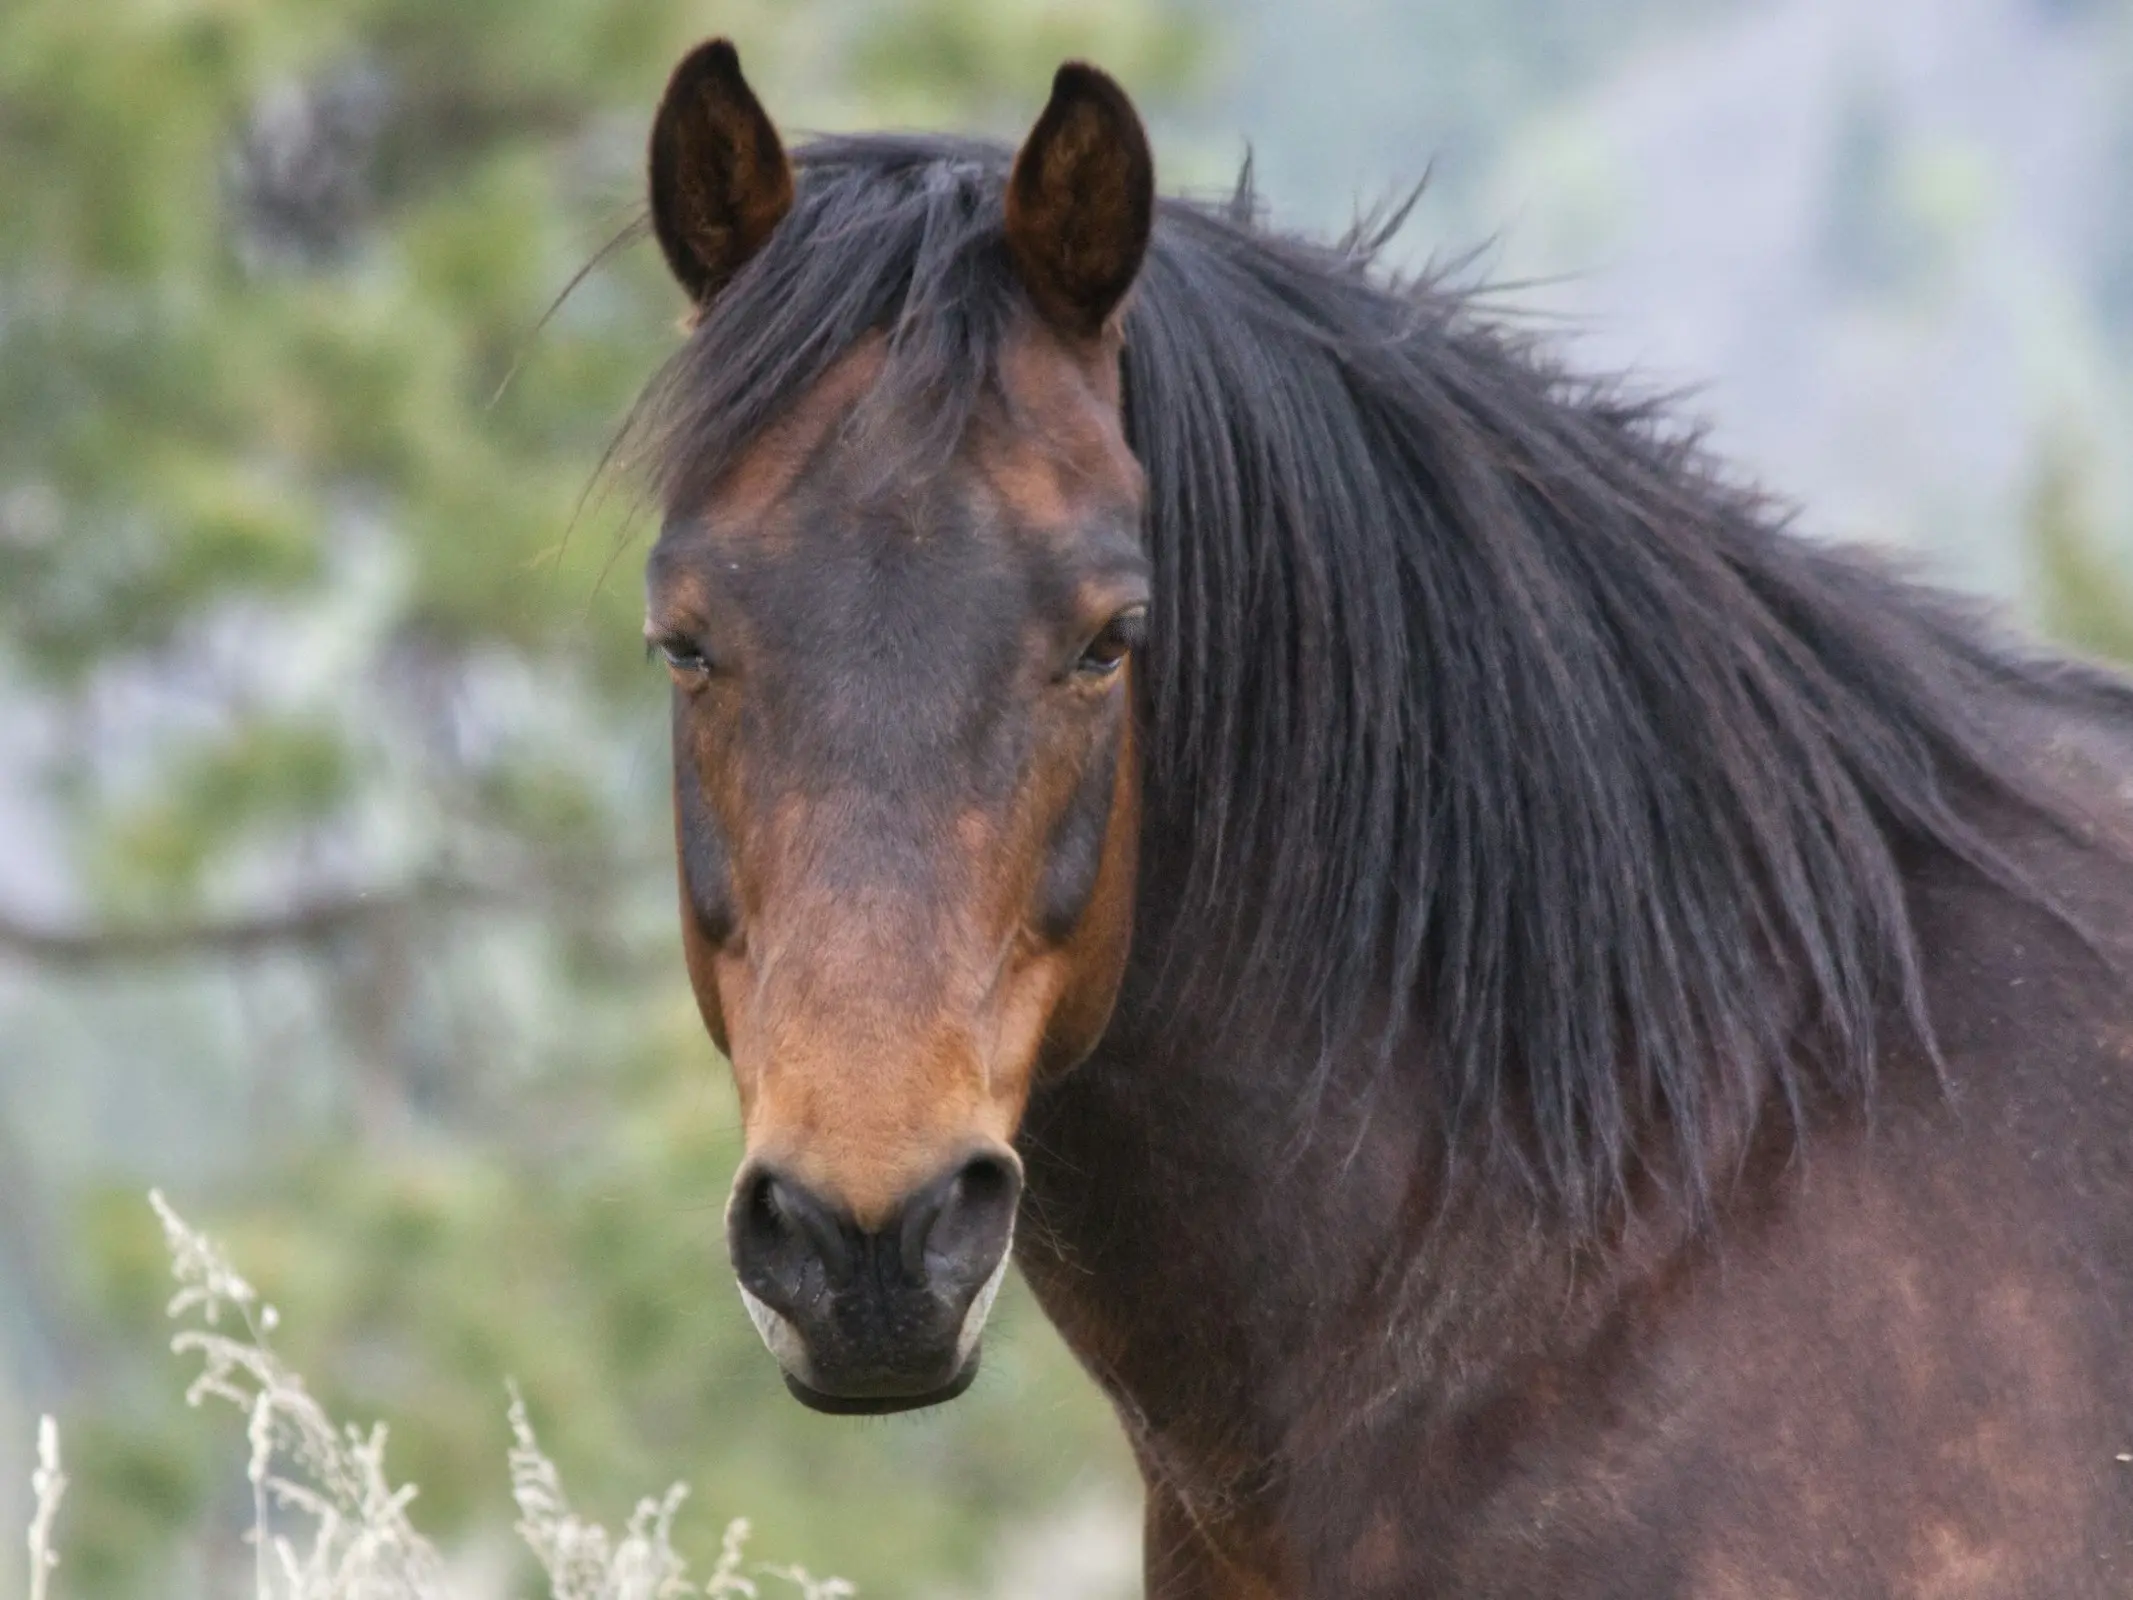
(681, 656)
(1117, 638)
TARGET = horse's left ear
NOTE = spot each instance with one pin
(1081, 201)
(719, 178)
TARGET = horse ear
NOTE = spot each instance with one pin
(1080, 202)
(719, 178)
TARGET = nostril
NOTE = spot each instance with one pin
(760, 1211)
(985, 1179)
(955, 1233)
(779, 1231)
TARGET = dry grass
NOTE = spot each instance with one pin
(328, 1523)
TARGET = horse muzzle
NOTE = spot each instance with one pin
(871, 1320)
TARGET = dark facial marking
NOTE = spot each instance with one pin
(706, 869)
(1074, 852)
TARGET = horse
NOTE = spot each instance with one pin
(1536, 1031)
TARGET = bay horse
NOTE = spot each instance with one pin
(1535, 1032)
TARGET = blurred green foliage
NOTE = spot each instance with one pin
(2082, 593)
(412, 1278)
(304, 552)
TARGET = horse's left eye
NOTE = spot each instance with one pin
(1117, 639)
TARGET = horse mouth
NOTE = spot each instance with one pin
(872, 1386)
(881, 1405)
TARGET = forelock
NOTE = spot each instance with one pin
(899, 237)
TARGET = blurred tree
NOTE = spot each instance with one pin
(2112, 269)
(348, 742)
(1870, 244)
(1371, 95)
(2082, 592)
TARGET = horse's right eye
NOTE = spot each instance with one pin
(687, 661)
(684, 658)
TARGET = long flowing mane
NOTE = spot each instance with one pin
(1469, 685)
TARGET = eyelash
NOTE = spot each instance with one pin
(680, 656)
(1113, 642)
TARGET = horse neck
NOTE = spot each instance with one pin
(1249, 1244)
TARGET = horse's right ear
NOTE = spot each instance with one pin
(719, 178)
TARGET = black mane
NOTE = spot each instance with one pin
(1497, 696)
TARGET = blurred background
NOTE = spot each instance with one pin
(335, 891)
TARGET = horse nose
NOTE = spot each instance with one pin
(873, 1312)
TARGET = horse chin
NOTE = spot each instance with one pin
(881, 1405)
(789, 1348)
